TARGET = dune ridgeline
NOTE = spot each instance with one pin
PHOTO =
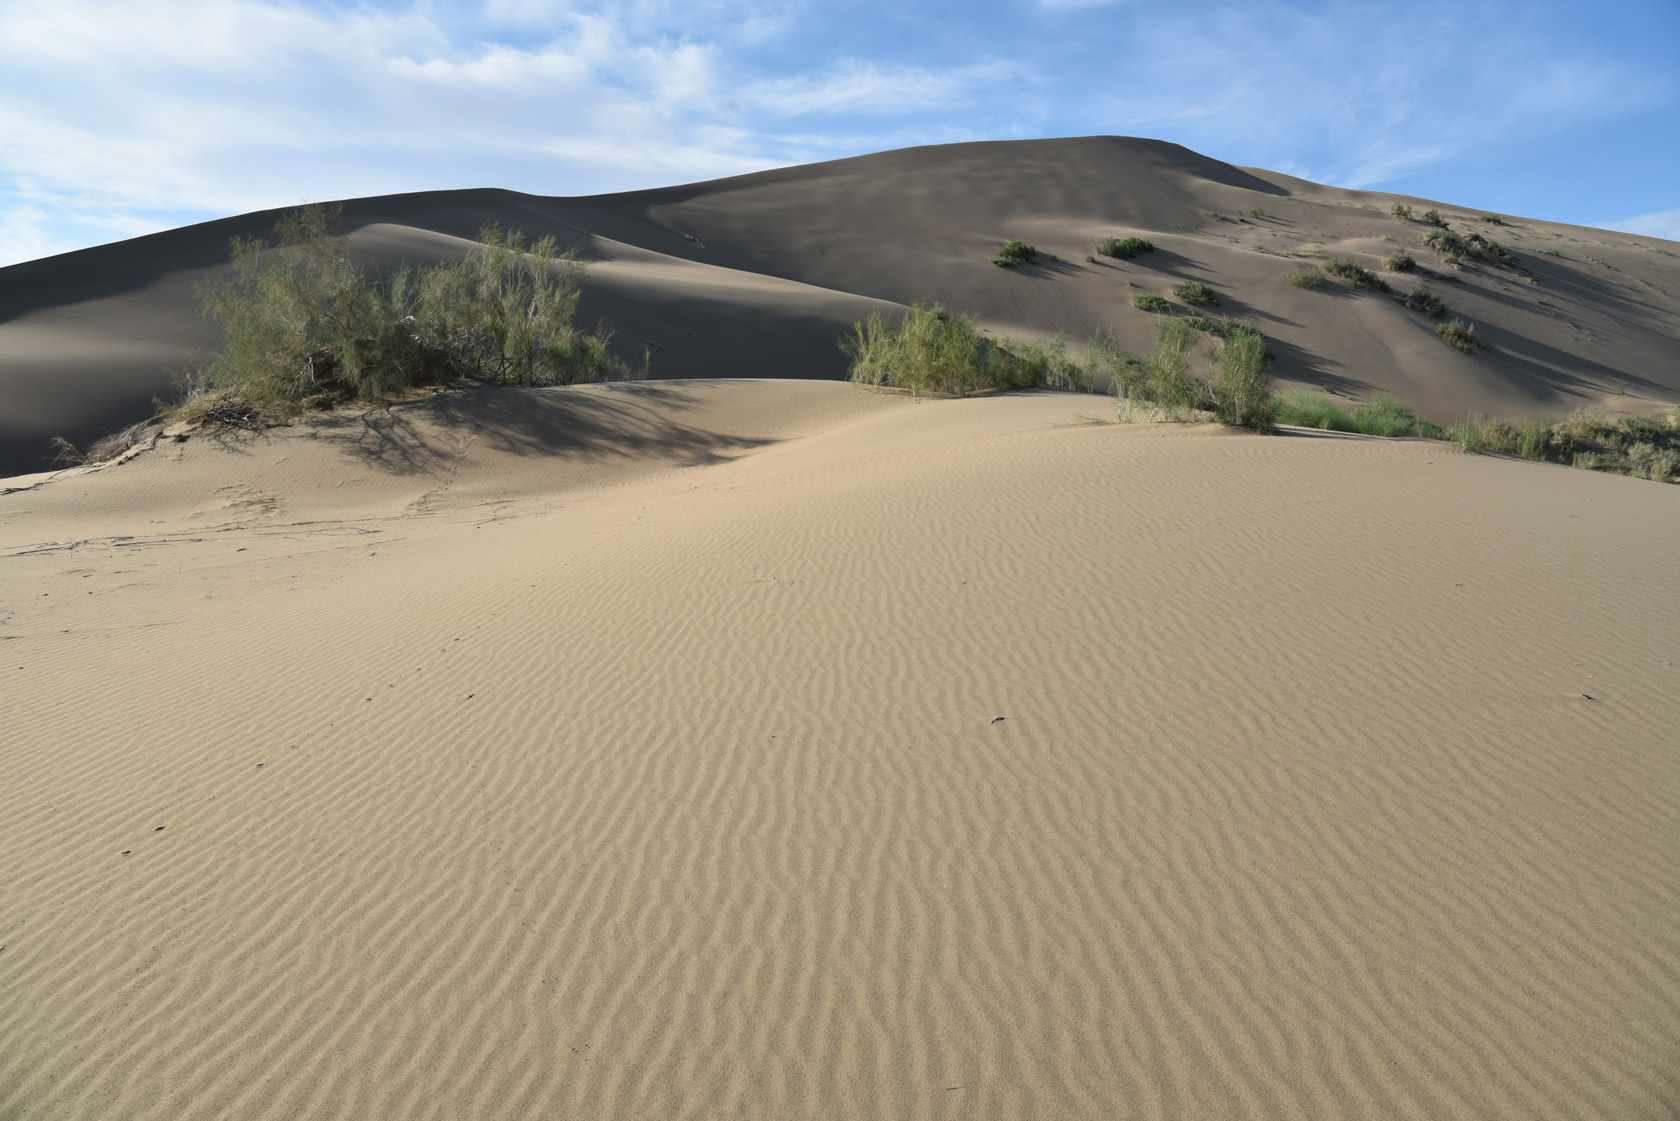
(760, 275)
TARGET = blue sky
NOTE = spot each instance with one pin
(121, 118)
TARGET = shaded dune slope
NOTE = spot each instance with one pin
(758, 275)
(632, 751)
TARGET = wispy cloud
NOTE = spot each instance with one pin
(115, 119)
(251, 105)
(1664, 224)
(1362, 100)
(863, 87)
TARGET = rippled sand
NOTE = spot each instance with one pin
(780, 750)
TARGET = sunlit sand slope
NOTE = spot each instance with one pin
(774, 749)
(760, 275)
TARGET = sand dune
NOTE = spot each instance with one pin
(758, 276)
(779, 749)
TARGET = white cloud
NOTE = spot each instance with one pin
(1662, 223)
(147, 114)
(1364, 103)
(862, 87)
(250, 105)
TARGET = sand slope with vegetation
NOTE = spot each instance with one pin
(767, 749)
(760, 275)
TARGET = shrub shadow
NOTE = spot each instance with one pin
(592, 424)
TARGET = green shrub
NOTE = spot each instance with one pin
(1445, 241)
(1197, 294)
(1045, 363)
(1015, 253)
(930, 351)
(1169, 382)
(304, 327)
(1348, 272)
(1242, 382)
(1123, 248)
(1107, 359)
(1149, 301)
(1458, 333)
(503, 314)
(1385, 415)
(1308, 276)
(1648, 461)
(1433, 217)
(1466, 432)
(1401, 210)
(1423, 299)
(1493, 219)
(935, 351)
(1400, 261)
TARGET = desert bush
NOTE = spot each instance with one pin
(1125, 373)
(1650, 461)
(1445, 241)
(1046, 363)
(1241, 386)
(1308, 276)
(1533, 440)
(1646, 447)
(1458, 333)
(1400, 261)
(1149, 301)
(503, 314)
(1195, 293)
(1422, 298)
(1015, 253)
(1401, 210)
(1169, 382)
(303, 326)
(1355, 275)
(1434, 218)
(932, 350)
(1466, 432)
(1587, 423)
(107, 447)
(1636, 429)
(1385, 415)
(1123, 248)
(1493, 219)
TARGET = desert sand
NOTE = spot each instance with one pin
(760, 275)
(780, 749)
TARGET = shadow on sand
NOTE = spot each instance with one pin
(594, 424)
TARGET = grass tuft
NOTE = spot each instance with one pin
(1123, 249)
(1460, 334)
(1402, 211)
(1015, 253)
(1400, 261)
(1197, 294)
(1354, 275)
(1385, 415)
(1308, 276)
(1423, 299)
(1149, 301)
